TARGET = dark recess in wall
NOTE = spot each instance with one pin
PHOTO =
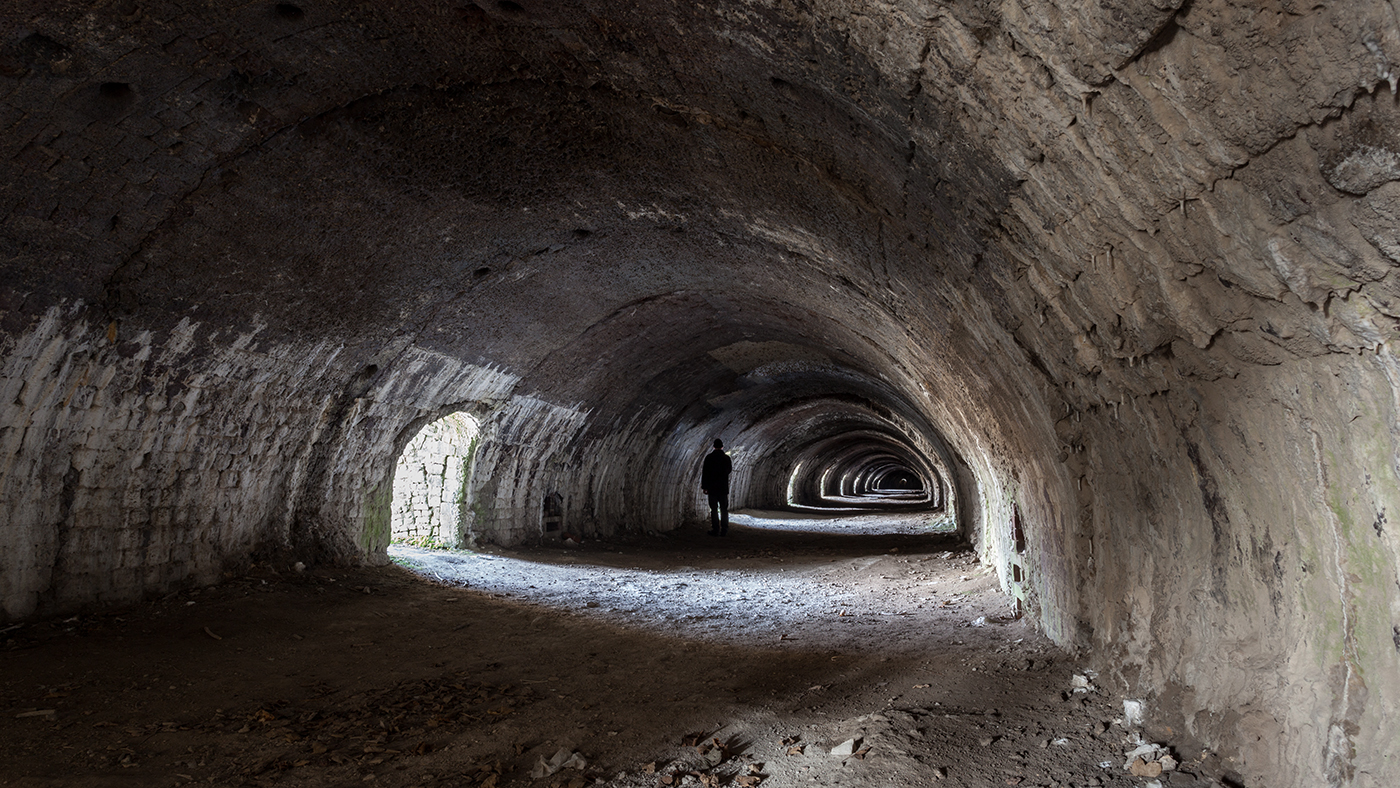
(289, 12)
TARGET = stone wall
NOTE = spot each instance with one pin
(521, 460)
(146, 461)
(430, 482)
(135, 466)
(1274, 624)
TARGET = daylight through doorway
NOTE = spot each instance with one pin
(430, 483)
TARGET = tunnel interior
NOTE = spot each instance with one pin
(1108, 285)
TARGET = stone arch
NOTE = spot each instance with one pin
(431, 481)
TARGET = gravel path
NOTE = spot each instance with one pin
(909, 668)
(859, 583)
(818, 651)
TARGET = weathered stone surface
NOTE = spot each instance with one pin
(431, 479)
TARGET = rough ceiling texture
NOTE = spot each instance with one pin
(1126, 268)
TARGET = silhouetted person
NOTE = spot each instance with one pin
(714, 482)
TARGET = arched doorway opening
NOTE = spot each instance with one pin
(430, 482)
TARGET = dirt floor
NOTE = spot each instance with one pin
(677, 660)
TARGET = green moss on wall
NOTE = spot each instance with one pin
(471, 513)
(378, 518)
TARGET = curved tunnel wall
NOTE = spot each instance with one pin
(1135, 268)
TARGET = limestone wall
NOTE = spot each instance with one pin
(430, 482)
(133, 463)
(1273, 623)
(145, 461)
(521, 460)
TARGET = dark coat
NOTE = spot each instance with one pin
(714, 476)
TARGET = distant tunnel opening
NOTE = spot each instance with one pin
(849, 480)
(897, 479)
(867, 471)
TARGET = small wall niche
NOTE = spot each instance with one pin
(553, 517)
(288, 12)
